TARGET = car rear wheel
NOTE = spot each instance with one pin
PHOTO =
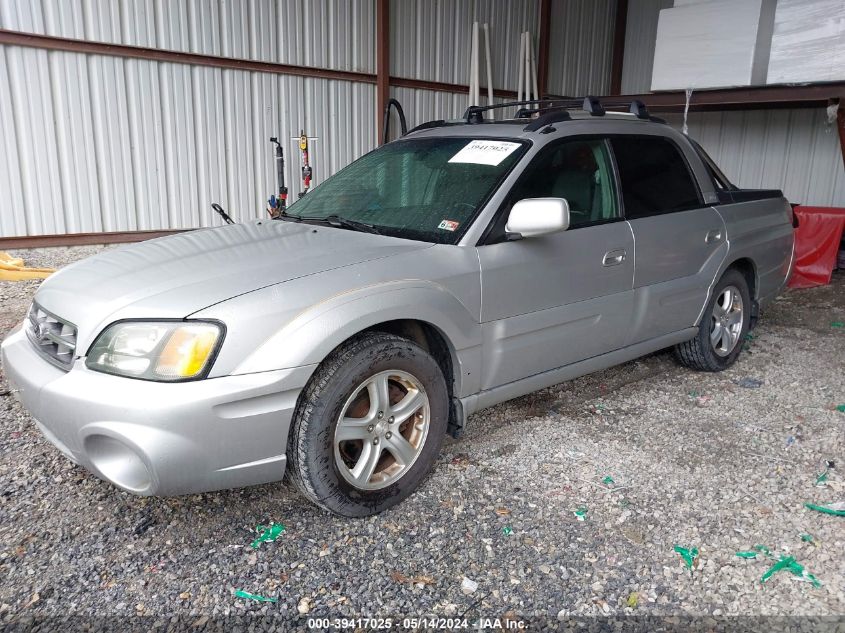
(368, 426)
(723, 326)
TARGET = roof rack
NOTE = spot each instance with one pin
(475, 114)
(559, 108)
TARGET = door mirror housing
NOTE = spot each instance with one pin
(533, 217)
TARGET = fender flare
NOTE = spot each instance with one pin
(312, 334)
(728, 262)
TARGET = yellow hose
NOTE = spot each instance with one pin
(13, 269)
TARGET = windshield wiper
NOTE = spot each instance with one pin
(336, 220)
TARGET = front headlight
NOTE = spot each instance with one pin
(156, 350)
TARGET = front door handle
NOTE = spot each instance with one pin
(613, 258)
(713, 236)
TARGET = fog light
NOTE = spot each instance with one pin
(118, 463)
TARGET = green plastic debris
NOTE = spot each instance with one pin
(836, 509)
(633, 600)
(269, 533)
(837, 324)
(782, 563)
(807, 538)
(240, 593)
(821, 478)
(840, 408)
(507, 530)
(689, 555)
(756, 551)
(608, 480)
(791, 565)
(581, 513)
(762, 549)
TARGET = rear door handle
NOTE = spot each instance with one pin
(613, 258)
(713, 236)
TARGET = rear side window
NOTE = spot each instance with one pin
(654, 176)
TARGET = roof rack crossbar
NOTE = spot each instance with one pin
(474, 114)
(590, 104)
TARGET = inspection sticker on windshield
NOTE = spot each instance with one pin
(485, 152)
(448, 225)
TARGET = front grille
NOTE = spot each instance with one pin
(54, 338)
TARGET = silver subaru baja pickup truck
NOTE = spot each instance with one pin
(465, 264)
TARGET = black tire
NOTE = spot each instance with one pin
(311, 462)
(699, 353)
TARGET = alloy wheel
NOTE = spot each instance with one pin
(381, 430)
(726, 322)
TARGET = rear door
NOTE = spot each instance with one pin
(557, 299)
(680, 241)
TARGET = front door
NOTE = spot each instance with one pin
(557, 299)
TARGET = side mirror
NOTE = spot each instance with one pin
(533, 217)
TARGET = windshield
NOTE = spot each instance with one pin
(423, 189)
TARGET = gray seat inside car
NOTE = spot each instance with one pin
(578, 181)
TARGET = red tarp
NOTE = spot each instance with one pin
(816, 245)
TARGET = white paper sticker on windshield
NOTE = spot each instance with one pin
(484, 152)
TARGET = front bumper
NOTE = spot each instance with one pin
(154, 438)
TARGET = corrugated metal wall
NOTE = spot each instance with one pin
(336, 34)
(581, 47)
(94, 143)
(793, 150)
(430, 39)
(640, 37)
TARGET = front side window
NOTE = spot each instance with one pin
(424, 189)
(578, 170)
(654, 176)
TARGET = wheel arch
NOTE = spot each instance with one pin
(746, 266)
(430, 338)
(422, 312)
(748, 269)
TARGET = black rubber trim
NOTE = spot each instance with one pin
(555, 116)
(750, 195)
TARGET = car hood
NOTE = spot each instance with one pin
(175, 276)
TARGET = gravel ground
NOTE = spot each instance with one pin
(696, 460)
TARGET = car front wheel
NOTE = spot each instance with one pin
(723, 326)
(368, 426)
